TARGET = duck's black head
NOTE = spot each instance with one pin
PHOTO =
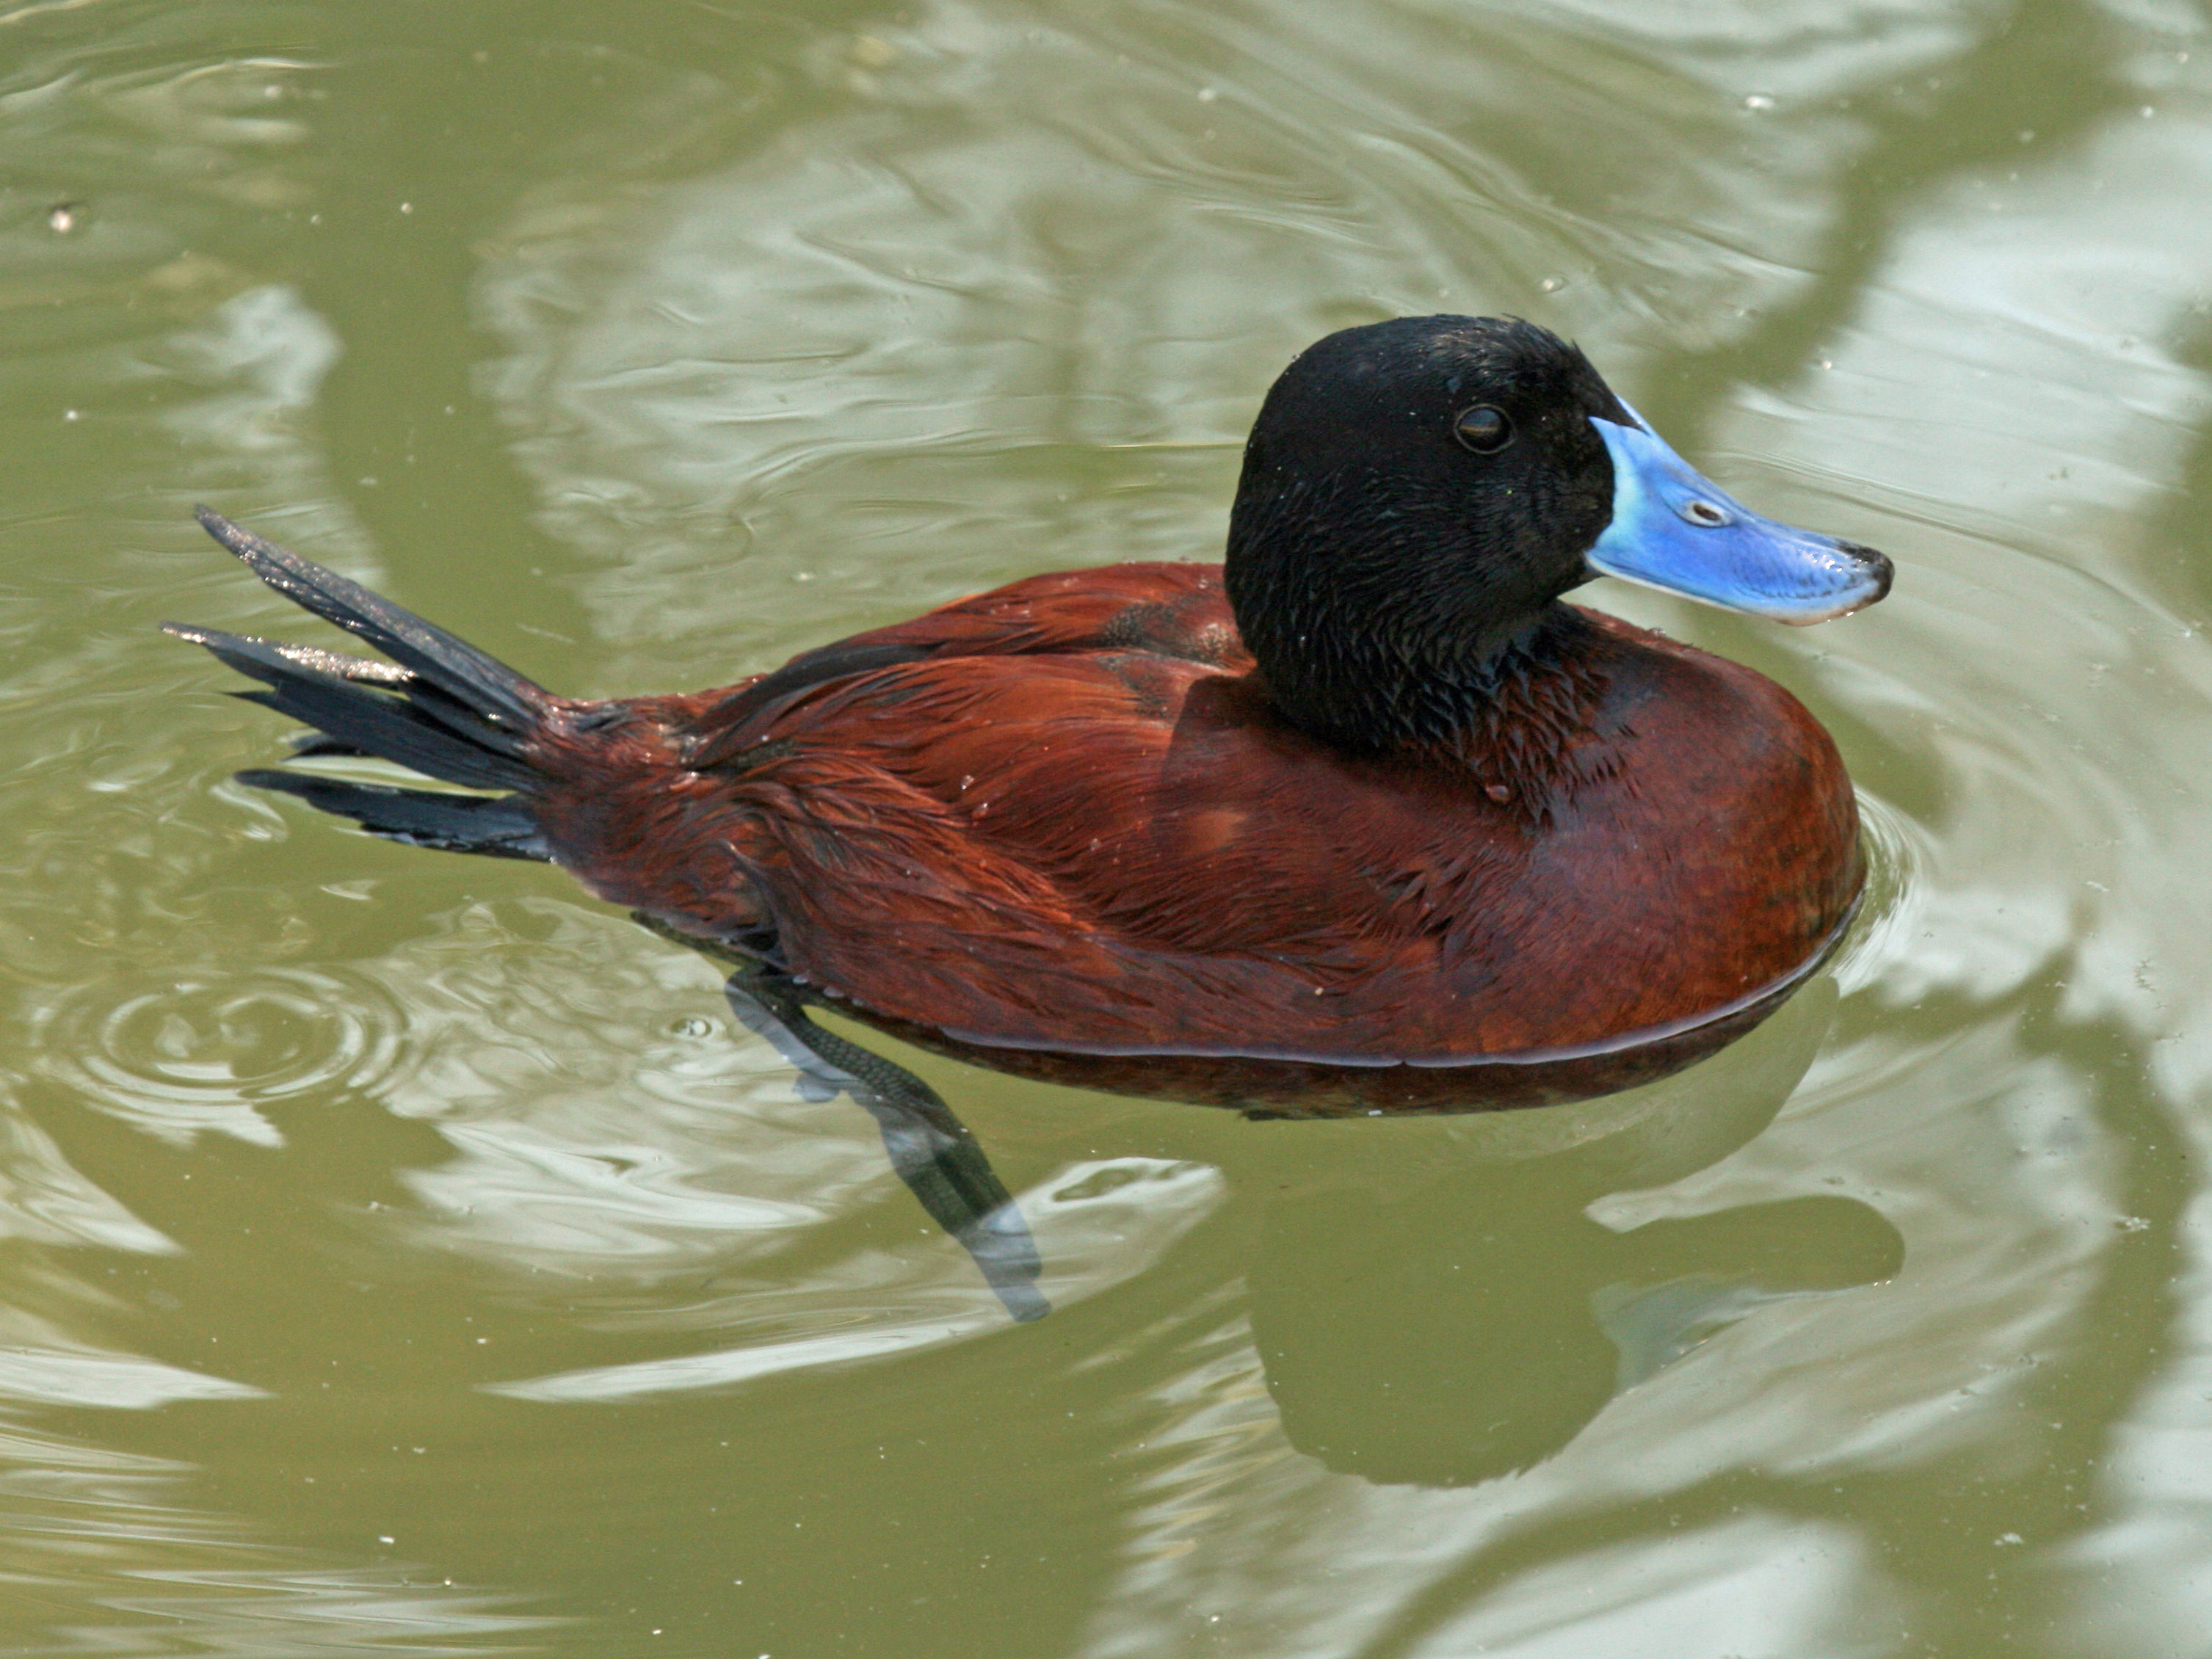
(1418, 494)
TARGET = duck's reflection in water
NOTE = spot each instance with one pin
(1444, 1321)
(1487, 1350)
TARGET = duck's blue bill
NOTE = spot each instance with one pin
(1672, 529)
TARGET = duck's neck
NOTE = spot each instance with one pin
(1408, 628)
(1362, 646)
(1508, 705)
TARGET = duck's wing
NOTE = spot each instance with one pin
(1173, 610)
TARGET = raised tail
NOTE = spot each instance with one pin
(439, 706)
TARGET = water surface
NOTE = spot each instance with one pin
(404, 1253)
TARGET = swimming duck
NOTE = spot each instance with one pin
(1369, 792)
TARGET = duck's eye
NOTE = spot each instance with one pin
(1483, 429)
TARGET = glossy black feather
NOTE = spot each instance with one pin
(362, 718)
(473, 678)
(496, 825)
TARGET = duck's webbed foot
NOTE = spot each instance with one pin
(932, 1150)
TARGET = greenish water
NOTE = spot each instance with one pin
(401, 1253)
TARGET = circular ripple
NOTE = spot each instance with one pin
(193, 1053)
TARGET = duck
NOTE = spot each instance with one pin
(1369, 792)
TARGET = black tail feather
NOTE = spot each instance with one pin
(442, 707)
(470, 676)
(308, 746)
(496, 825)
(393, 733)
(407, 729)
(278, 661)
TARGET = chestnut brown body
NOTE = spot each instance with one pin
(1064, 816)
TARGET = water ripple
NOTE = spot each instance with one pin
(179, 1057)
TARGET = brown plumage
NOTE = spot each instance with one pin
(1078, 824)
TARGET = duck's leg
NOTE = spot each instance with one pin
(932, 1151)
